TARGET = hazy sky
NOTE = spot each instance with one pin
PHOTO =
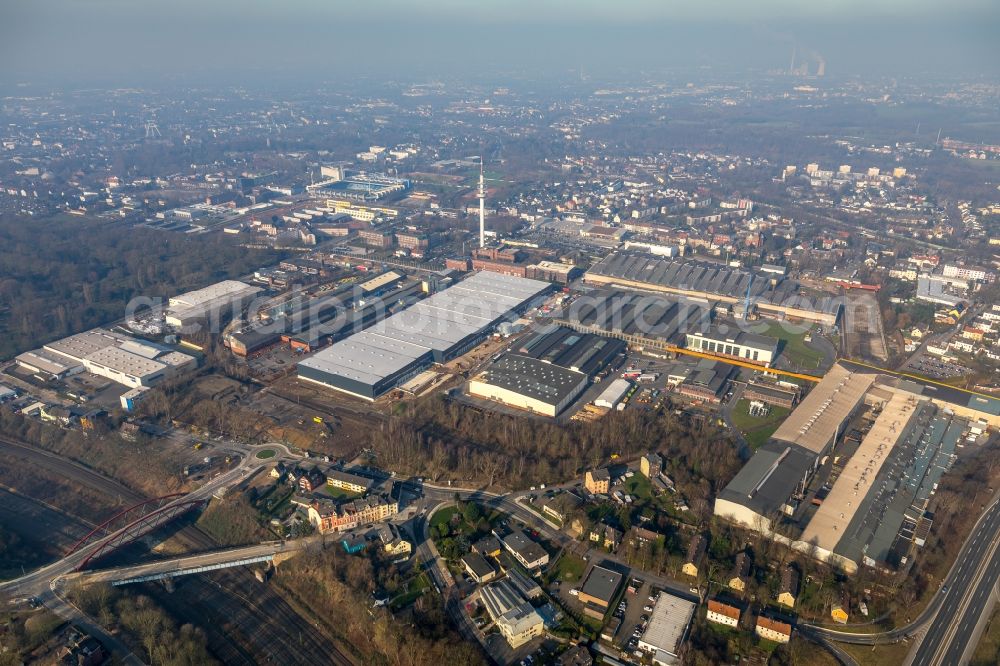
(138, 41)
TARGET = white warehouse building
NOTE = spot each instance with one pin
(214, 302)
(125, 360)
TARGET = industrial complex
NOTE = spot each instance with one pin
(548, 371)
(445, 325)
(849, 475)
(125, 360)
(768, 293)
(213, 303)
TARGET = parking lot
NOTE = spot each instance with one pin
(635, 615)
(935, 368)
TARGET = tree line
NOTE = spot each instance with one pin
(447, 440)
(59, 277)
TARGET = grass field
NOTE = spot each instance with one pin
(265, 454)
(882, 655)
(443, 517)
(414, 590)
(988, 651)
(795, 349)
(756, 430)
(340, 493)
(568, 569)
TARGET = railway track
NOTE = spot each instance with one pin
(261, 614)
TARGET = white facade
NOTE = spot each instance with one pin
(720, 618)
(125, 360)
(613, 394)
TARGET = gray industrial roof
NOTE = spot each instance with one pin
(668, 622)
(703, 277)
(536, 379)
(434, 325)
(601, 583)
(769, 478)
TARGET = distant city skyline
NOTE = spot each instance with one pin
(109, 41)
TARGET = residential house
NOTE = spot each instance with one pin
(773, 629)
(695, 553)
(740, 575)
(311, 480)
(525, 551)
(578, 655)
(346, 481)
(560, 505)
(723, 613)
(607, 536)
(640, 536)
(478, 568)
(392, 542)
(488, 546)
(651, 465)
(326, 516)
(597, 481)
(789, 590)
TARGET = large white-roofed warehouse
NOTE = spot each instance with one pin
(435, 330)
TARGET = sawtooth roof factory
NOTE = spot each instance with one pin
(435, 330)
(546, 373)
(642, 320)
(848, 477)
(769, 293)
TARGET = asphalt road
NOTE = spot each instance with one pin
(976, 558)
(969, 588)
(186, 562)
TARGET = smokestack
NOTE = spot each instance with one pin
(482, 206)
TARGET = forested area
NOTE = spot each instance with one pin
(441, 439)
(59, 276)
(144, 626)
(147, 469)
(337, 588)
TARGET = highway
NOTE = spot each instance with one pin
(976, 568)
(949, 637)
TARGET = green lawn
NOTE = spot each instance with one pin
(340, 493)
(568, 569)
(265, 454)
(443, 517)
(415, 589)
(795, 349)
(756, 430)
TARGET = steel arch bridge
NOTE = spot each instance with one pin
(130, 524)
